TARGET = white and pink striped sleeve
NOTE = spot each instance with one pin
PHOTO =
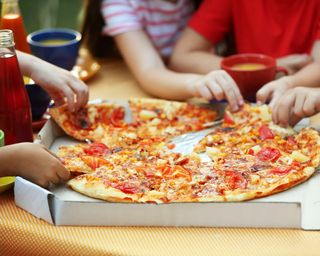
(119, 16)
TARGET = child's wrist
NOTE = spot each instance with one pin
(192, 84)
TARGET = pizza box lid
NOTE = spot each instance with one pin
(298, 207)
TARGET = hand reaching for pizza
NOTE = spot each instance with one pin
(33, 162)
(61, 85)
(296, 104)
(271, 92)
(219, 85)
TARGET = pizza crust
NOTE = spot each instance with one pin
(97, 189)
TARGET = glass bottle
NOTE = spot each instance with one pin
(15, 111)
(11, 19)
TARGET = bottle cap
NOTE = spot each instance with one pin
(6, 38)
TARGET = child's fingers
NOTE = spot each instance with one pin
(81, 92)
(298, 105)
(68, 93)
(236, 88)
(54, 178)
(294, 120)
(63, 173)
(264, 94)
(309, 107)
(229, 92)
(204, 92)
(215, 89)
(283, 110)
(58, 100)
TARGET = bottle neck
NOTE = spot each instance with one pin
(10, 7)
(6, 43)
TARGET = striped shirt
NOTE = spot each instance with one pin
(163, 21)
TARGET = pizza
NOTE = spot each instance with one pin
(151, 118)
(249, 156)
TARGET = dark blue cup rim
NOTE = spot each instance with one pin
(50, 31)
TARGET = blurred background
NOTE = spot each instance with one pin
(38, 14)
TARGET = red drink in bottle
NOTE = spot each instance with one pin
(12, 19)
(15, 112)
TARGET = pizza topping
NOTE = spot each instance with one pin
(254, 150)
(235, 180)
(254, 178)
(147, 114)
(280, 171)
(291, 140)
(81, 119)
(257, 167)
(265, 132)
(176, 171)
(265, 113)
(183, 161)
(97, 149)
(299, 157)
(117, 116)
(228, 118)
(95, 162)
(268, 154)
(127, 188)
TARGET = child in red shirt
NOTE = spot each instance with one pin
(288, 30)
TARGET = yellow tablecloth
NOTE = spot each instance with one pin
(23, 234)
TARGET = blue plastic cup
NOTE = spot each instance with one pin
(63, 49)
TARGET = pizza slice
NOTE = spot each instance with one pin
(169, 118)
(90, 122)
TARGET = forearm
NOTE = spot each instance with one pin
(164, 83)
(5, 158)
(199, 62)
(27, 62)
(307, 77)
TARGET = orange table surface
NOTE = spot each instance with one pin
(23, 234)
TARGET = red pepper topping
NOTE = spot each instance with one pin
(127, 188)
(280, 171)
(97, 149)
(117, 116)
(227, 118)
(265, 132)
(235, 180)
(268, 154)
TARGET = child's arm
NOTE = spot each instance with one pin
(33, 162)
(150, 71)
(296, 104)
(308, 77)
(59, 83)
(194, 53)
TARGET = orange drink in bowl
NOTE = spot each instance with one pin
(251, 71)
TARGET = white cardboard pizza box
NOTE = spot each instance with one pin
(298, 207)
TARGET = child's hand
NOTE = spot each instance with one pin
(218, 85)
(296, 104)
(273, 91)
(294, 62)
(33, 162)
(60, 84)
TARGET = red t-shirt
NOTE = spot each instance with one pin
(273, 27)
